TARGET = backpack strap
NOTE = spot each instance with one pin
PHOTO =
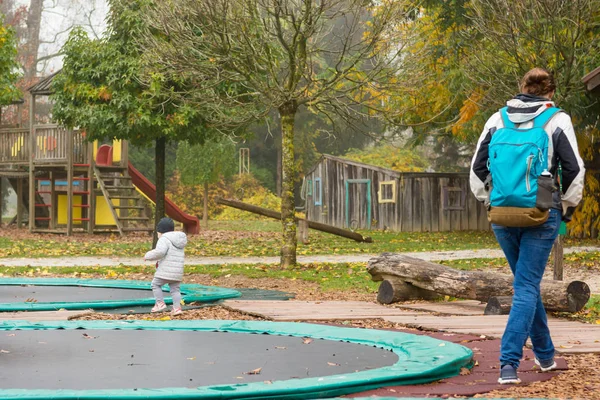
(541, 120)
(505, 120)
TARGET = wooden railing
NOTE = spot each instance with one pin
(52, 144)
(14, 146)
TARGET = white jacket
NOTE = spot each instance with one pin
(170, 256)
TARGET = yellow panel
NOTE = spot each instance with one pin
(95, 150)
(62, 209)
(103, 214)
(116, 151)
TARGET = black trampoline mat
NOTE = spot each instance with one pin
(124, 359)
(73, 294)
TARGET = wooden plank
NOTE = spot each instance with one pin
(407, 208)
(43, 315)
(417, 205)
(444, 214)
(463, 307)
(426, 204)
(314, 310)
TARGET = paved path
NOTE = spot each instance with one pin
(116, 261)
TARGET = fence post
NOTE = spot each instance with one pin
(557, 251)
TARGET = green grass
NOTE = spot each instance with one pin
(330, 277)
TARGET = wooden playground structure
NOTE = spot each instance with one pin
(68, 184)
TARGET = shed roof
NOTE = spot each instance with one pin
(592, 80)
(44, 86)
(391, 172)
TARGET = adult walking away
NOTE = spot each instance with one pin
(518, 175)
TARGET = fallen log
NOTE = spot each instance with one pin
(475, 285)
(311, 224)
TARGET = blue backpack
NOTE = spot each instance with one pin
(520, 186)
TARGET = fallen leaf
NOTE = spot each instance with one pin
(91, 350)
(306, 340)
(564, 346)
(254, 372)
(482, 337)
(4, 351)
(191, 358)
(442, 344)
(11, 334)
(465, 371)
(333, 364)
(280, 347)
(268, 382)
(86, 336)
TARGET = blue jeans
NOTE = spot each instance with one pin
(527, 251)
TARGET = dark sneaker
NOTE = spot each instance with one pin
(548, 365)
(508, 374)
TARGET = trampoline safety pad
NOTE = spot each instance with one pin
(213, 360)
(50, 294)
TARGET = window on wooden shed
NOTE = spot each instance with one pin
(454, 198)
(317, 192)
(309, 187)
(387, 192)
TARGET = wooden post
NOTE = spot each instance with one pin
(92, 195)
(69, 182)
(1, 199)
(32, 183)
(20, 202)
(302, 231)
(53, 202)
(557, 251)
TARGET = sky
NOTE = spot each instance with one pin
(59, 17)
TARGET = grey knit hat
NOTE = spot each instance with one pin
(165, 225)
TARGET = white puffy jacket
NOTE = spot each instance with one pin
(170, 256)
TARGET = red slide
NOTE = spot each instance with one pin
(191, 224)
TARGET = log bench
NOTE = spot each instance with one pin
(408, 278)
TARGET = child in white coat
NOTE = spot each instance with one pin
(170, 258)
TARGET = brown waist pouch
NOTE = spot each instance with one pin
(517, 217)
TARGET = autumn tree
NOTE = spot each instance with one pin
(562, 36)
(105, 88)
(333, 57)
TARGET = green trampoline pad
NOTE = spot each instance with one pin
(421, 359)
(50, 294)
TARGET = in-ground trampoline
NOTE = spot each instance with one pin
(41, 294)
(213, 360)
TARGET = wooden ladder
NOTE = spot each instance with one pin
(115, 184)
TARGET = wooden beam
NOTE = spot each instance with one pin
(311, 224)
(70, 138)
(32, 182)
(92, 195)
(19, 202)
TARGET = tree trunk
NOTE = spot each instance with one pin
(159, 160)
(334, 230)
(287, 113)
(205, 206)
(30, 54)
(476, 285)
(278, 178)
